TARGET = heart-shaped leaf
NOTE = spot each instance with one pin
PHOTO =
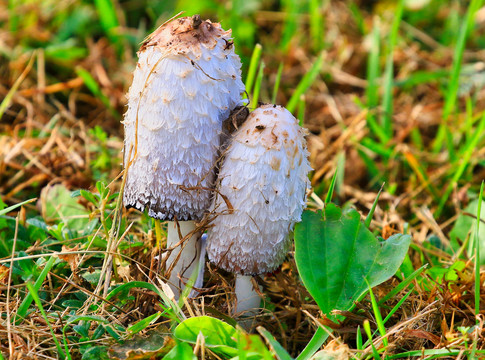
(337, 257)
(219, 336)
(181, 351)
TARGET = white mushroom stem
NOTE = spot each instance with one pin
(189, 250)
(248, 300)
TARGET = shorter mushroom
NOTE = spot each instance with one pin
(261, 193)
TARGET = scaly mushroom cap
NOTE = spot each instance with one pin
(185, 84)
(264, 177)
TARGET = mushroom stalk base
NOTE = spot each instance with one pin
(189, 259)
(248, 300)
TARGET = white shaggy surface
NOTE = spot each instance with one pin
(185, 84)
(264, 177)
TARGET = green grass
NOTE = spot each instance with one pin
(277, 83)
(33, 293)
(378, 317)
(372, 90)
(253, 68)
(452, 90)
(389, 94)
(388, 86)
(478, 283)
(305, 83)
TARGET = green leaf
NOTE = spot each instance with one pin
(96, 353)
(24, 306)
(82, 329)
(92, 277)
(3, 222)
(92, 198)
(143, 323)
(279, 350)
(181, 351)
(348, 255)
(466, 226)
(219, 336)
(58, 205)
(154, 346)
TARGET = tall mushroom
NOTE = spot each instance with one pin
(261, 193)
(185, 84)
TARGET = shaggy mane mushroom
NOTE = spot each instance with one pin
(185, 84)
(264, 176)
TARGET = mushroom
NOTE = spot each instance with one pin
(186, 82)
(261, 193)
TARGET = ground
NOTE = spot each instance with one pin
(392, 96)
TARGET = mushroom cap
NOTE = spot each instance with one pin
(185, 84)
(264, 180)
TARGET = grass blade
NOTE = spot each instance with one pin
(13, 207)
(403, 284)
(279, 350)
(477, 255)
(13, 16)
(253, 67)
(454, 82)
(421, 173)
(358, 17)
(305, 83)
(387, 97)
(358, 339)
(372, 90)
(94, 87)
(369, 335)
(8, 98)
(107, 16)
(301, 110)
(378, 316)
(257, 86)
(36, 298)
(432, 353)
(396, 307)
(376, 147)
(328, 198)
(277, 83)
(339, 181)
(316, 28)
(314, 344)
(290, 8)
(143, 323)
(24, 306)
(368, 219)
(465, 159)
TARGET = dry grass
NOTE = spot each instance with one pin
(46, 138)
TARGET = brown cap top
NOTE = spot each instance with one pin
(188, 32)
